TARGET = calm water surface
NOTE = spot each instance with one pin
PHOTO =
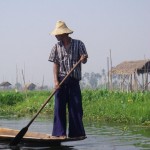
(99, 136)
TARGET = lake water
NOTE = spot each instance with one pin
(99, 136)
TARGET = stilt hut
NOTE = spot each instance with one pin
(30, 86)
(134, 75)
(5, 85)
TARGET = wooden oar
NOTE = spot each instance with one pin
(23, 131)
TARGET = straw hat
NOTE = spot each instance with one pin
(61, 28)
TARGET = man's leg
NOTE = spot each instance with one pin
(59, 125)
(76, 127)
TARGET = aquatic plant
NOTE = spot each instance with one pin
(98, 105)
(11, 98)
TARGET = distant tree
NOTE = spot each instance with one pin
(45, 87)
(18, 86)
(91, 80)
(103, 72)
(94, 78)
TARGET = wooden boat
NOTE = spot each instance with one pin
(33, 139)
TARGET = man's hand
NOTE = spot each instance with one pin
(56, 84)
(84, 58)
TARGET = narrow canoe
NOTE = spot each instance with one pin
(34, 139)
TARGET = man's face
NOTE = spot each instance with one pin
(59, 37)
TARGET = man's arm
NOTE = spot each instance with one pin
(55, 72)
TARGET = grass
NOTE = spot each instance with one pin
(98, 105)
(27, 106)
(116, 106)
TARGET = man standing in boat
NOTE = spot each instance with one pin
(64, 55)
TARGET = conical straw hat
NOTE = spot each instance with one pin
(61, 28)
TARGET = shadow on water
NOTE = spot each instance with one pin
(3, 146)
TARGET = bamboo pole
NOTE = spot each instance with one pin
(108, 74)
(111, 87)
(147, 71)
(42, 83)
(143, 81)
(135, 82)
(146, 77)
(131, 83)
(25, 89)
(16, 78)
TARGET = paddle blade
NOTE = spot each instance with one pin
(18, 137)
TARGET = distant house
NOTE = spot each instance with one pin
(30, 86)
(5, 85)
(129, 72)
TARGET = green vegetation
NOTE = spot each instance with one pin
(22, 105)
(117, 107)
(99, 105)
(11, 98)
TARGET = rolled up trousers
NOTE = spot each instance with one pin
(69, 94)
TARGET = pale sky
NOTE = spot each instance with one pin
(120, 25)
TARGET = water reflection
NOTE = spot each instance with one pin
(4, 147)
(99, 136)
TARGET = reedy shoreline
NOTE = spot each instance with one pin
(98, 105)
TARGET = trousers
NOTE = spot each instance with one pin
(69, 94)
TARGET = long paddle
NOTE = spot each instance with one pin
(23, 131)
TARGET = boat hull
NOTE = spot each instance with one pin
(33, 139)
